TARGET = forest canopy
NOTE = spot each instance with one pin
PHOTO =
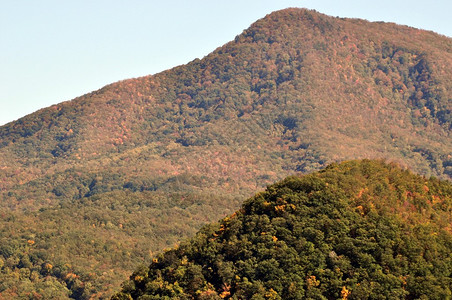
(92, 187)
(355, 230)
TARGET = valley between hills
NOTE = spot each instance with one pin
(94, 187)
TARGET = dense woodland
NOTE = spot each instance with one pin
(355, 230)
(98, 185)
(85, 249)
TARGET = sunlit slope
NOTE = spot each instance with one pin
(357, 230)
(175, 150)
(294, 92)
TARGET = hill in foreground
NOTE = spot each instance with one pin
(355, 230)
(97, 185)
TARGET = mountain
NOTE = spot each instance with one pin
(355, 230)
(294, 91)
(98, 184)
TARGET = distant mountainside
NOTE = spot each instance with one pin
(292, 93)
(357, 230)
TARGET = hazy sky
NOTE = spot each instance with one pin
(52, 50)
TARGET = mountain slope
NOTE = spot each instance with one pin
(298, 89)
(294, 92)
(357, 230)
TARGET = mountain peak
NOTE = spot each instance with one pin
(297, 83)
(284, 21)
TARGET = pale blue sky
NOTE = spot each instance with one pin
(54, 50)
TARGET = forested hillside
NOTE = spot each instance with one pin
(293, 92)
(99, 184)
(355, 230)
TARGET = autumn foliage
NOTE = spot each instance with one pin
(98, 185)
